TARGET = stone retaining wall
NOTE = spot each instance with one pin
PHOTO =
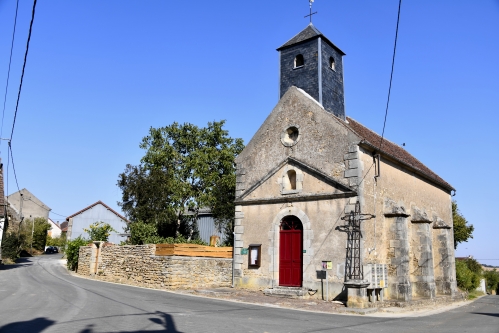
(137, 265)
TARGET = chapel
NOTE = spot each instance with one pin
(325, 206)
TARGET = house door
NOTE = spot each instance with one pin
(290, 252)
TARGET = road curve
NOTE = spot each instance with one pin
(39, 295)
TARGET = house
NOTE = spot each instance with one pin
(26, 203)
(321, 199)
(55, 229)
(96, 212)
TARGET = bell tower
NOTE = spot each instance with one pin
(313, 63)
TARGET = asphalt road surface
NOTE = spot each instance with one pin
(40, 296)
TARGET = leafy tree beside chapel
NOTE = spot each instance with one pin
(462, 230)
(185, 168)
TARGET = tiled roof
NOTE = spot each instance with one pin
(308, 33)
(396, 152)
(64, 226)
(95, 204)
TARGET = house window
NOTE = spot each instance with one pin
(332, 64)
(292, 180)
(299, 61)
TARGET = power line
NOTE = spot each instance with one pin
(51, 212)
(22, 74)
(13, 167)
(391, 75)
(8, 71)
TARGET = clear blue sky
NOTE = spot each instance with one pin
(100, 73)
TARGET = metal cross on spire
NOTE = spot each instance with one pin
(310, 15)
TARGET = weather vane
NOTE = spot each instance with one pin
(310, 15)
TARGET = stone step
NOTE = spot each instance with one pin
(291, 292)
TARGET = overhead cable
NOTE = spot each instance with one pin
(8, 71)
(24, 66)
(391, 75)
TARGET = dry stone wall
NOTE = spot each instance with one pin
(137, 265)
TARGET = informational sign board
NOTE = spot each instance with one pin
(327, 265)
(244, 251)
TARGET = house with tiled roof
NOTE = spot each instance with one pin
(96, 212)
(323, 200)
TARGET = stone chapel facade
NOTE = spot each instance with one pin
(308, 166)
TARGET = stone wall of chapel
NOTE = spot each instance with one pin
(414, 193)
(321, 241)
(308, 184)
(323, 141)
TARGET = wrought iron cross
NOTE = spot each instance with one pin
(310, 15)
(353, 266)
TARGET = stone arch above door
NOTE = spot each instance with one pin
(308, 236)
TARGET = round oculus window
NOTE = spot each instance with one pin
(290, 136)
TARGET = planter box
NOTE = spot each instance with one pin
(193, 250)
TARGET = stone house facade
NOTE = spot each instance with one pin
(308, 168)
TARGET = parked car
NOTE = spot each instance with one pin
(51, 249)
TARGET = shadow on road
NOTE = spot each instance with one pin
(487, 314)
(31, 326)
(39, 324)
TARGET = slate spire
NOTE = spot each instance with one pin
(310, 61)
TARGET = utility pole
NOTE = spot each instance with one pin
(32, 233)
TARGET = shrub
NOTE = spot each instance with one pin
(99, 231)
(492, 278)
(466, 278)
(73, 252)
(146, 233)
(11, 246)
(60, 242)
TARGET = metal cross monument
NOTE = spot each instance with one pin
(353, 266)
(310, 2)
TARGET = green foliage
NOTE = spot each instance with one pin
(11, 246)
(99, 231)
(462, 230)
(492, 278)
(144, 233)
(73, 250)
(468, 274)
(33, 232)
(60, 241)
(185, 168)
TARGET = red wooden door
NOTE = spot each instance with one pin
(290, 258)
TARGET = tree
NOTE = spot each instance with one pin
(468, 274)
(185, 168)
(462, 230)
(99, 231)
(492, 278)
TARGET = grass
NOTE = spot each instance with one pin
(474, 294)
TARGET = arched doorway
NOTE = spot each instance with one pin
(290, 252)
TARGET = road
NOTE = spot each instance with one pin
(40, 296)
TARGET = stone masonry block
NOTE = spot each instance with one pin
(353, 164)
(353, 181)
(239, 208)
(353, 148)
(238, 222)
(238, 243)
(239, 229)
(351, 173)
(239, 215)
(351, 156)
(395, 243)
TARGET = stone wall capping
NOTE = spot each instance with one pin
(419, 215)
(393, 209)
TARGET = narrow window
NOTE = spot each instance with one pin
(332, 64)
(299, 61)
(292, 179)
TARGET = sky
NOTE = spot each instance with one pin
(99, 74)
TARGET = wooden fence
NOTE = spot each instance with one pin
(193, 250)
